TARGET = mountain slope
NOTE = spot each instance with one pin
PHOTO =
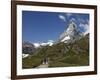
(61, 54)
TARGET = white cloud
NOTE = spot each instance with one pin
(68, 15)
(62, 17)
(50, 41)
(73, 19)
(85, 27)
(81, 20)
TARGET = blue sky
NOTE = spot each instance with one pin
(44, 26)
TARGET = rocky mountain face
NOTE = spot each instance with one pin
(28, 48)
(70, 34)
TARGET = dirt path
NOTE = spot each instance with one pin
(43, 66)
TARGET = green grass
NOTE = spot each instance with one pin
(31, 62)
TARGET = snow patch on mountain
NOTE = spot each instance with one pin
(25, 55)
(48, 43)
(36, 45)
(65, 39)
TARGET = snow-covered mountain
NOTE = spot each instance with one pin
(49, 43)
(36, 45)
(70, 33)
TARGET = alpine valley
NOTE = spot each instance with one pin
(71, 49)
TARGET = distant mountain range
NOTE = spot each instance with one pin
(30, 48)
(49, 43)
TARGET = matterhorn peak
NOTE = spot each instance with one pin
(70, 33)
